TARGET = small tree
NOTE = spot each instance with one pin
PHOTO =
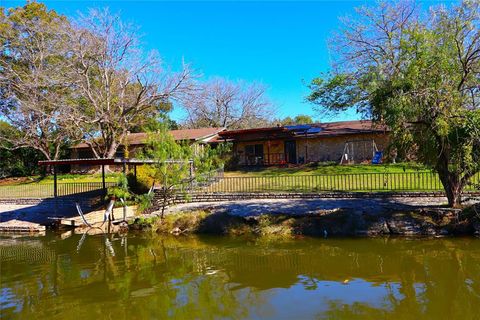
(419, 74)
(176, 166)
(171, 170)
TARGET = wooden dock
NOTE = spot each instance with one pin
(96, 217)
(15, 225)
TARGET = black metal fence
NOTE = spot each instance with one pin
(44, 190)
(215, 181)
(361, 182)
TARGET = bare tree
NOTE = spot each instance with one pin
(34, 90)
(222, 103)
(119, 86)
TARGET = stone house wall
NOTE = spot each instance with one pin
(332, 148)
(317, 149)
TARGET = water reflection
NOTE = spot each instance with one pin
(107, 276)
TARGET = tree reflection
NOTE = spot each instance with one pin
(185, 278)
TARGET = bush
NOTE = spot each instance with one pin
(120, 191)
(144, 201)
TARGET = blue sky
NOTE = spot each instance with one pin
(280, 44)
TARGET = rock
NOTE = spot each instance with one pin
(378, 227)
(176, 231)
(404, 226)
(443, 232)
(123, 227)
(476, 227)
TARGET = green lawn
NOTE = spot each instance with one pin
(326, 169)
(38, 187)
(333, 177)
(61, 178)
(319, 178)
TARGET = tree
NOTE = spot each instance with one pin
(417, 73)
(172, 168)
(156, 123)
(177, 167)
(16, 162)
(35, 91)
(223, 103)
(119, 87)
(299, 119)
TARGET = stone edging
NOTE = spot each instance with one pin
(217, 196)
(229, 196)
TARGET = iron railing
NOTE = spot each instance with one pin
(46, 190)
(215, 181)
(361, 182)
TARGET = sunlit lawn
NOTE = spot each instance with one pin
(42, 187)
(328, 168)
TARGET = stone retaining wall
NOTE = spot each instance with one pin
(67, 202)
(229, 196)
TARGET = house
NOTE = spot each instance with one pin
(346, 141)
(136, 141)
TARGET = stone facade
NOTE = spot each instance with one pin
(318, 149)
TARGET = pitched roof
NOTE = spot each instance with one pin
(348, 127)
(323, 129)
(179, 135)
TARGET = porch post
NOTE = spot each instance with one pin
(103, 180)
(306, 148)
(268, 151)
(135, 173)
(55, 191)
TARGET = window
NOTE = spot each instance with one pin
(254, 154)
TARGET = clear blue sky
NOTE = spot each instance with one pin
(280, 44)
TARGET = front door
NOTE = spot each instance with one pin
(291, 151)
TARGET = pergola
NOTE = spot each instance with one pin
(105, 162)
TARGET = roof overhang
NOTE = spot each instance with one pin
(106, 162)
(235, 133)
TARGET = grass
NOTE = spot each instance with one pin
(326, 168)
(205, 222)
(308, 178)
(61, 178)
(37, 187)
(333, 177)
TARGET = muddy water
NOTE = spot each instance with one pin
(152, 277)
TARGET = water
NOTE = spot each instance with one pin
(153, 277)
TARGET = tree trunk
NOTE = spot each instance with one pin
(453, 186)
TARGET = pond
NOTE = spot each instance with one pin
(142, 276)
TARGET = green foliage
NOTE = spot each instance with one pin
(156, 120)
(144, 201)
(16, 162)
(209, 159)
(121, 190)
(300, 119)
(34, 86)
